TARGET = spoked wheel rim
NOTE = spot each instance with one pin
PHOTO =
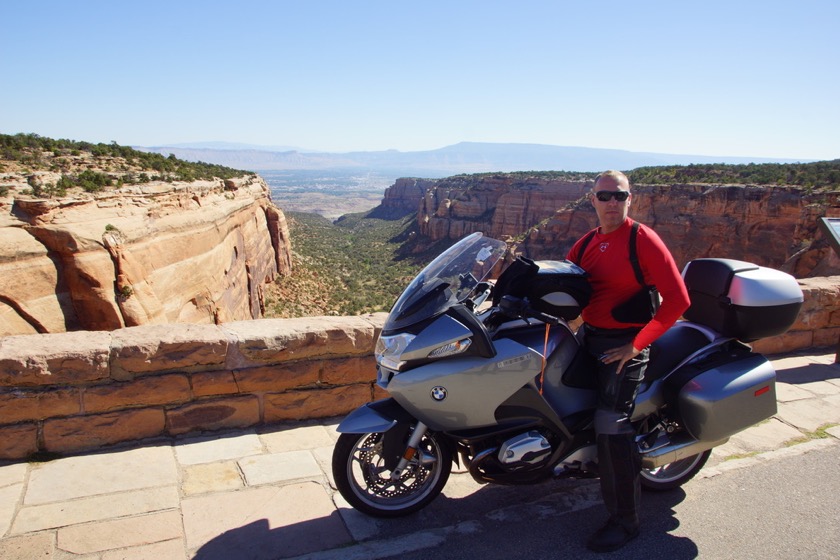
(672, 471)
(674, 474)
(371, 483)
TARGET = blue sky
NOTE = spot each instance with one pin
(730, 78)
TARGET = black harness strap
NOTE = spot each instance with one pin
(634, 256)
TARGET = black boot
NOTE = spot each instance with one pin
(616, 532)
(619, 465)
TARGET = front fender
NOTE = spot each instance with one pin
(373, 417)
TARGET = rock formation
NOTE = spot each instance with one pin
(542, 216)
(402, 197)
(197, 252)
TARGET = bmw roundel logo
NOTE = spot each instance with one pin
(438, 393)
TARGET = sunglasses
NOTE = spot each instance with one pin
(604, 196)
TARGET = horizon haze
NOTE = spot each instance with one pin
(463, 157)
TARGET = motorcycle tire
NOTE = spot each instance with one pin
(362, 479)
(673, 475)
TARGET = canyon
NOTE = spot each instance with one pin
(160, 252)
(542, 216)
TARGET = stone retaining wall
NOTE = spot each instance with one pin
(79, 391)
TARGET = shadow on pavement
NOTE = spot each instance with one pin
(549, 520)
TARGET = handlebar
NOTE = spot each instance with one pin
(517, 308)
(544, 317)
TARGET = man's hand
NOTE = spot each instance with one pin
(622, 355)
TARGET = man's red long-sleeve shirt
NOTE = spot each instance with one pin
(607, 260)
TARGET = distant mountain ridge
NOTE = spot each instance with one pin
(464, 157)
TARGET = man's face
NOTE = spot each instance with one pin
(612, 212)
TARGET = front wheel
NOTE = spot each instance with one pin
(673, 475)
(361, 476)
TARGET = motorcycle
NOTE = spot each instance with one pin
(493, 376)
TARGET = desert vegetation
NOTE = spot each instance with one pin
(815, 175)
(94, 167)
(353, 266)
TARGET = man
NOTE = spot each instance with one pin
(621, 346)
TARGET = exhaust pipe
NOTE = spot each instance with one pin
(681, 448)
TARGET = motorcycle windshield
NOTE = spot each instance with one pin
(446, 281)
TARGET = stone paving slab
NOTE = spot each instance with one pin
(218, 448)
(263, 523)
(28, 547)
(786, 392)
(323, 456)
(211, 477)
(279, 467)
(304, 438)
(168, 550)
(822, 388)
(811, 414)
(120, 533)
(771, 434)
(91, 475)
(13, 474)
(804, 371)
(97, 508)
(9, 498)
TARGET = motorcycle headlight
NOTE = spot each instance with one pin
(389, 350)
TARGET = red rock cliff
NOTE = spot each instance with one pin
(768, 225)
(195, 252)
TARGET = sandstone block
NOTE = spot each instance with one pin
(20, 405)
(18, 441)
(379, 393)
(54, 359)
(211, 477)
(83, 433)
(209, 383)
(348, 371)
(120, 533)
(301, 405)
(279, 467)
(829, 336)
(145, 391)
(27, 547)
(86, 475)
(791, 340)
(171, 550)
(278, 378)
(277, 340)
(94, 508)
(148, 349)
(216, 414)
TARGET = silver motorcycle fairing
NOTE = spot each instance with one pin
(366, 420)
(472, 387)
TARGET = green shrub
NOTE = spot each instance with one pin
(27, 149)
